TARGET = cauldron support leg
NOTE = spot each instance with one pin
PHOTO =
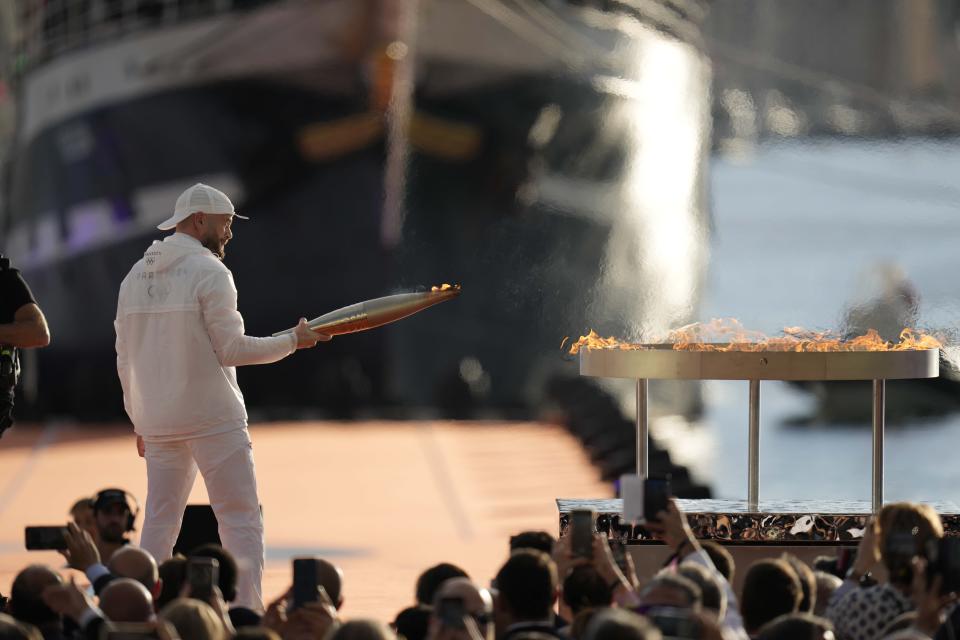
(879, 401)
(642, 428)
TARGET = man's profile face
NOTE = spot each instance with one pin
(217, 233)
(112, 522)
(84, 518)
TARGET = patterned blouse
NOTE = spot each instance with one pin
(863, 613)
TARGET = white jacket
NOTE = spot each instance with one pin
(179, 341)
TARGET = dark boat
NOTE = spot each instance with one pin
(547, 156)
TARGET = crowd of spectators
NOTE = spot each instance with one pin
(542, 591)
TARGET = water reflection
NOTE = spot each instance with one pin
(796, 230)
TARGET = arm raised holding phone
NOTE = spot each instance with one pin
(672, 527)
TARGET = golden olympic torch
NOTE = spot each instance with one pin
(370, 314)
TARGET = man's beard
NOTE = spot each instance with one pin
(216, 247)
(113, 535)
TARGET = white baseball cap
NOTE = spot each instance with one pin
(199, 198)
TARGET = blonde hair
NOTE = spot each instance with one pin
(194, 619)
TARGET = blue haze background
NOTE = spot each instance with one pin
(798, 226)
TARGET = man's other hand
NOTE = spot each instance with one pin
(307, 337)
(141, 450)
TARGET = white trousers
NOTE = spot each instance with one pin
(225, 461)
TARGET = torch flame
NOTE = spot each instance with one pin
(727, 334)
(445, 287)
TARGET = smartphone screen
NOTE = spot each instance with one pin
(944, 560)
(581, 532)
(656, 493)
(451, 612)
(305, 581)
(203, 574)
(44, 538)
(898, 555)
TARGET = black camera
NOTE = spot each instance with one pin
(943, 559)
(9, 367)
(9, 374)
(900, 549)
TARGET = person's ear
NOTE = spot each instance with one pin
(339, 603)
(157, 589)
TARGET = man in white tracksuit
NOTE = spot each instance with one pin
(179, 341)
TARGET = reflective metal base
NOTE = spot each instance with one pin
(735, 521)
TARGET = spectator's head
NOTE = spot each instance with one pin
(797, 626)
(82, 514)
(472, 600)
(584, 588)
(256, 633)
(620, 624)
(668, 589)
(827, 583)
(227, 571)
(138, 564)
(126, 600)
(194, 619)
(539, 540)
(362, 630)
(173, 573)
(431, 579)
(11, 629)
(808, 582)
(721, 559)
(904, 529)
(770, 589)
(26, 603)
(112, 514)
(526, 588)
(412, 623)
(713, 598)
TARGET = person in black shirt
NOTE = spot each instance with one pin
(22, 326)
